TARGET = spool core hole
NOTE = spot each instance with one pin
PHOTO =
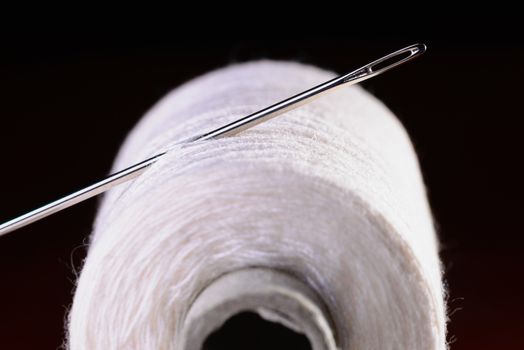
(247, 330)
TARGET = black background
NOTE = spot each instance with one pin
(69, 94)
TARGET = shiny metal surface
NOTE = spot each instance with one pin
(366, 72)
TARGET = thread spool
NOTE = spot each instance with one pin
(330, 194)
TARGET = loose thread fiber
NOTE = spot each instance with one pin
(330, 192)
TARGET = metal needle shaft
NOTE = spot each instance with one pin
(368, 71)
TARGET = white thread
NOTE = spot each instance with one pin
(331, 192)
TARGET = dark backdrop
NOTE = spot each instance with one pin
(68, 98)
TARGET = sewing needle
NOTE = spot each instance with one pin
(366, 72)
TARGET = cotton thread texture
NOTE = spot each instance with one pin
(330, 192)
